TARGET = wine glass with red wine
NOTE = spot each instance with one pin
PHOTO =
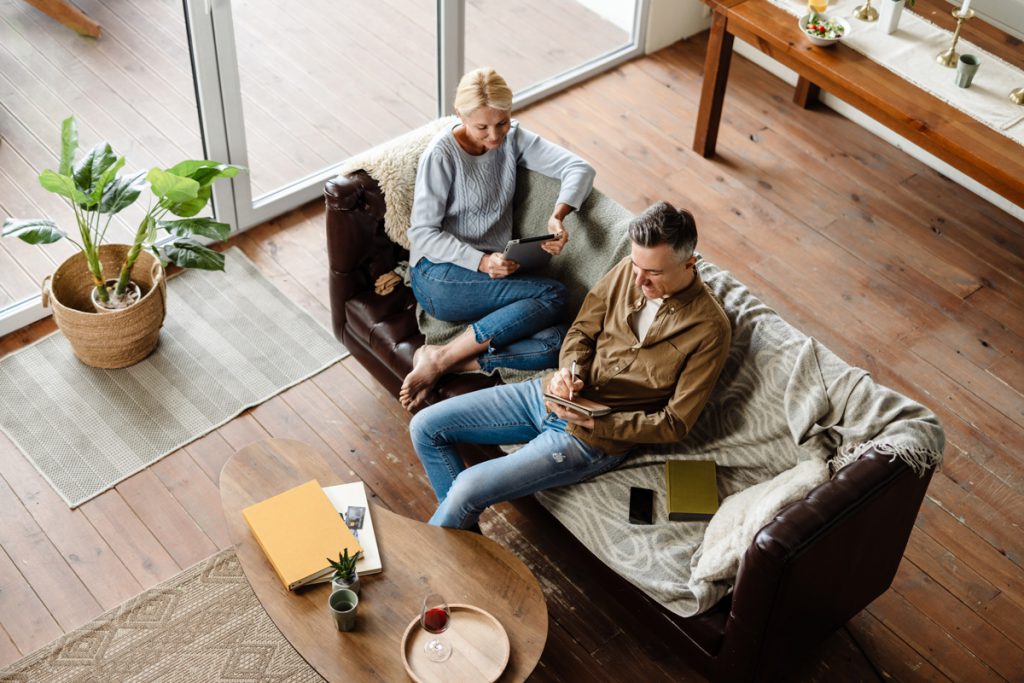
(434, 618)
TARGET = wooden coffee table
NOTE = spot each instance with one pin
(418, 559)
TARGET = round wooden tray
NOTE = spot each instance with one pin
(480, 648)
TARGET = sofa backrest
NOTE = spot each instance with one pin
(598, 232)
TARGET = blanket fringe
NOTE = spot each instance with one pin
(917, 458)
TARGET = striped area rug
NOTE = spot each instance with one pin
(231, 340)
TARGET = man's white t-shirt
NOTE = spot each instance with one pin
(642, 319)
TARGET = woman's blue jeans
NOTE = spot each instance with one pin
(505, 414)
(520, 314)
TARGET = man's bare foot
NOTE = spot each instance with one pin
(426, 368)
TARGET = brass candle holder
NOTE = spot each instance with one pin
(1017, 95)
(865, 12)
(949, 57)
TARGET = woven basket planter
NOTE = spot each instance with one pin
(113, 339)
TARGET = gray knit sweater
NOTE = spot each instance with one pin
(462, 207)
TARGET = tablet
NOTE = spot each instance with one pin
(580, 405)
(527, 251)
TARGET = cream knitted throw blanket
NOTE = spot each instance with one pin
(783, 408)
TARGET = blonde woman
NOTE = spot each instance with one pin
(461, 221)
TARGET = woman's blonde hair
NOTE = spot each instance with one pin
(482, 88)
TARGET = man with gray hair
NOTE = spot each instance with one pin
(649, 342)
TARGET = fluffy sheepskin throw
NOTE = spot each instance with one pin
(393, 165)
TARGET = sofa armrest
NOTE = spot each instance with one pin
(818, 563)
(358, 249)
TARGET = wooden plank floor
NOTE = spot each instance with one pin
(311, 94)
(892, 266)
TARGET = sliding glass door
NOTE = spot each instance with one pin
(307, 85)
(131, 86)
(289, 90)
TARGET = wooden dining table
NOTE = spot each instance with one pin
(993, 159)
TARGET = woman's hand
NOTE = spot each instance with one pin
(497, 266)
(555, 227)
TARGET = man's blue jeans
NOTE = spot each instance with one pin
(505, 414)
(519, 314)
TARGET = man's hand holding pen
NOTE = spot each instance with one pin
(566, 384)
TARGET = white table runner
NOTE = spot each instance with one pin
(910, 53)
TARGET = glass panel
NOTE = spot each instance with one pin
(132, 86)
(530, 42)
(322, 80)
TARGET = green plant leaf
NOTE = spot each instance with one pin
(105, 180)
(204, 173)
(63, 185)
(68, 144)
(188, 253)
(208, 174)
(33, 230)
(151, 227)
(122, 192)
(192, 206)
(89, 171)
(171, 188)
(205, 227)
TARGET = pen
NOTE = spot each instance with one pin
(572, 379)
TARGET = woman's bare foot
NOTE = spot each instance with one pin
(426, 368)
(465, 366)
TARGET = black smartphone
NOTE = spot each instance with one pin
(641, 505)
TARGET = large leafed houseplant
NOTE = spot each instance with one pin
(109, 308)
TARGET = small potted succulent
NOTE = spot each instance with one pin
(345, 574)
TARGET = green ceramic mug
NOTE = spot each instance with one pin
(343, 604)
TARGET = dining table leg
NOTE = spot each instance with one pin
(806, 93)
(712, 93)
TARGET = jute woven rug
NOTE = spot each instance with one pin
(230, 341)
(205, 625)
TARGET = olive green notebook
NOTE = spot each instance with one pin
(691, 491)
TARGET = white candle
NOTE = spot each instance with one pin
(964, 7)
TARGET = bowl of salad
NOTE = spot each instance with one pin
(822, 29)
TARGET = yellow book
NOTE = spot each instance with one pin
(691, 490)
(298, 530)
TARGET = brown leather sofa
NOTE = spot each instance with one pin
(818, 563)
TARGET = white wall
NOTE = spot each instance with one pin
(618, 12)
(1006, 14)
(672, 20)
